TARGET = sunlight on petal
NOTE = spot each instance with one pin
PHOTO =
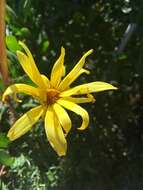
(58, 70)
(77, 75)
(74, 73)
(64, 71)
(29, 66)
(55, 133)
(87, 99)
(78, 110)
(21, 88)
(88, 88)
(63, 117)
(46, 81)
(25, 123)
(24, 62)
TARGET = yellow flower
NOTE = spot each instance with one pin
(54, 96)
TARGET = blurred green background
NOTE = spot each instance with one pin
(109, 154)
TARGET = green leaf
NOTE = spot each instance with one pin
(122, 57)
(12, 43)
(19, 161)
(10, 11)
(45, 46)
(5, 158)
(2, 185)
(10, 14)
(24, 32)
(4, 141)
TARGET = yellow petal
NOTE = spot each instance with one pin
(63, 117)
(77, 75)
(84, 71)
(88, 88)
(87, 99)
(22, 88)
(46, 81)
(64, 71)
(58, 69)
(55, 133)
(74, 72)
(24, 61)
(25, 123)
(29, 66)
(78, 110)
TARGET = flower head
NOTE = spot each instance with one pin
(54, 96)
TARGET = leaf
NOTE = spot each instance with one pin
(19, 161)
(4, 141)
(5, 158)
(12, 43)
(3, 186)
(24, 32)
(10, 11)
(45, 46)
(26, 3)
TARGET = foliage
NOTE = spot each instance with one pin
(109, 154)
(25, 174)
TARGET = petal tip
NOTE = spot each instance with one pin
(10, 136)
(89, 52)
(4, 98)
(82, 128)
(61, 154)
(20, 43)
(63, 50)
(19, 53)
(114, 88)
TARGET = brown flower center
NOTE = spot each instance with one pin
(52, 96)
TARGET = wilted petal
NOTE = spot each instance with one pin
(25, 123)
(55, 133)
(21, 88)
(78, 110)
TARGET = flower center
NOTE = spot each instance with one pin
(52, 96)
